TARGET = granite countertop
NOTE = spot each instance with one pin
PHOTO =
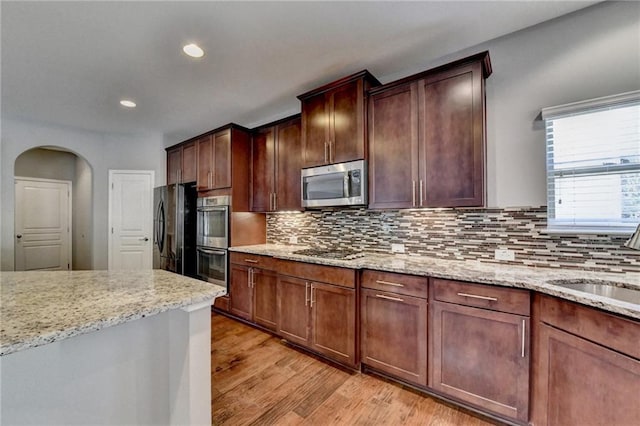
(41, 307)
(538, 279)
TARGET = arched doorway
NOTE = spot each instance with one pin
(49, 163)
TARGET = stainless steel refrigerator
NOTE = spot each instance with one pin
(174, 228)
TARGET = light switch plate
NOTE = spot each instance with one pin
(397, 248)
(504, 254)
(293, 239)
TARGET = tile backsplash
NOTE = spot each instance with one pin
(457, 234)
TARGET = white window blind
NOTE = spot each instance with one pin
(593, 165)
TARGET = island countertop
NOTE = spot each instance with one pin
(538, 279)
(41, 307)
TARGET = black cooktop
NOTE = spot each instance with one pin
(339, 254)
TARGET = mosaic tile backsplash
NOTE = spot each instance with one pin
(456, 234)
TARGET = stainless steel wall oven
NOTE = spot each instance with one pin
(213, 239)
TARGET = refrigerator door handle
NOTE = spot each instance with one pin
(161, 226)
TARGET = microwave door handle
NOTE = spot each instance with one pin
(346, 185)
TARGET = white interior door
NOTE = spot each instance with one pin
(42, 224)
(130, 219)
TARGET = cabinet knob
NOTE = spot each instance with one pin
(19, 236)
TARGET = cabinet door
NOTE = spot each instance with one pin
(205, 157)
(189, 163)
(333, 322)
(481, 357)
(265, 298)
(452, 132)
(346, 120)
(288, 193)
(222, 159)
(394, 334)
(174, 163)
(262, 171)
(240, 292)
(315, 128)
(293, 309)
(583, 383)
(393, 148)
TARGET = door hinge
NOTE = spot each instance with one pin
(112, 229)
(68, 266)
(111, 185)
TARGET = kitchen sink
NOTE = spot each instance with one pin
(611, 289)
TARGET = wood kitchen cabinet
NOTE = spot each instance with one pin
(275, 172)
(181, 163)
(333, 121)
(586, 366)
(224, 165)
(427, 138)
(252, 289)
(217, 154)
(393, 321)
(214, 161)
(479, 346)
(320, 316)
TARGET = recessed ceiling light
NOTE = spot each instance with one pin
(193, 50)
(128, 103)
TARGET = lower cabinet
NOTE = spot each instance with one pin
(479, 346)
(253, 292)
(333, 322)
(319, 316)
(586, 365)
(394, 325)
(293, 310)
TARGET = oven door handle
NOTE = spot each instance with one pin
(212, 209)
(212, 251)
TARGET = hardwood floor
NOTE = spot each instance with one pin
(258, 380)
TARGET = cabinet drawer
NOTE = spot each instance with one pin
(410, 285)
(264, 262)
(501, 299)
(344, 277)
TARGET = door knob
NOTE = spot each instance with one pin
(144, 239)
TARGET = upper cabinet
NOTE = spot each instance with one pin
(334, 121)
(181, 163)
(427, 138)
(275, 158)
(214, 161)
(222, 160)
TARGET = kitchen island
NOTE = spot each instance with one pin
(105, 347)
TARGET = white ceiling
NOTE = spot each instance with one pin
(69, 63)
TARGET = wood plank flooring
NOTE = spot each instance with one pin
(258, 380)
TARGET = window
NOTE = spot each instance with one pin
(593, 165)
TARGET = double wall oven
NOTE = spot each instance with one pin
(213, 239)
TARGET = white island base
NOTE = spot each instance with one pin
(155, 371)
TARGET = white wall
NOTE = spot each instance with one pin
(590, 53)
(102, 152)
(82, 217)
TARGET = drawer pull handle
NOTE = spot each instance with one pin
(382, 296)
(389, 283)
(251, 261)
(474, 296)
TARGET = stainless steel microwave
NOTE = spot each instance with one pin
(343, 184)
